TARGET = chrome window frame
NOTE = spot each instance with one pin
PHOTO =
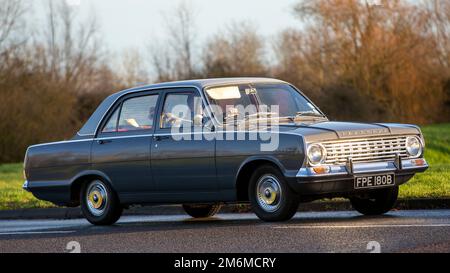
(200, 91)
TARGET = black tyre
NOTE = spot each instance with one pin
(99, 203)
(201, 210)
(378, 202)
(270, 196)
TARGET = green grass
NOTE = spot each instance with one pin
(12, 196)
(435, 182)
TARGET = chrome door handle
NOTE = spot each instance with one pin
(103, 141)
(159, 138)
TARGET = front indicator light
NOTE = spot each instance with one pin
(418, 162)
(321, 169)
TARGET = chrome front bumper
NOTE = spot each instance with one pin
(399, 165)
(25, 185)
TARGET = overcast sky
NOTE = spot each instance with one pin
(133, 23)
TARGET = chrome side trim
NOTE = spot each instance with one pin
(61, 142)
(193, 132)
(78, 133)
(157, 134)
(121, 137)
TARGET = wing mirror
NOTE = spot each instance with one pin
(198, 120)
(203, 120)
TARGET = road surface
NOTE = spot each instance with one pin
(397, 231)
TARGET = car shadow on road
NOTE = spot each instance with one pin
(219, 221)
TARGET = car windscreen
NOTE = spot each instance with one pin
(247, 100)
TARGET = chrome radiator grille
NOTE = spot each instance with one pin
(365, 150)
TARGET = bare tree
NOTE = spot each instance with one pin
(383, 52)
(162, 61)
(237, 51)
(175, 58)
(11, 22)
(132, 69)
(439, 15)
(182, 30)
(72, 49)
(439, 27)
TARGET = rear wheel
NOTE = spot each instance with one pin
(376, 203)
(201, 210)
(270, 196)
(99, 203)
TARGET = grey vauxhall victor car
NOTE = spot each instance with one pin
(204, 143)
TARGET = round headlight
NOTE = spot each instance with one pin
(316, 154)
(414, 146)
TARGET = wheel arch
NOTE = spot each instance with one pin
(246, 170)
(83, 177)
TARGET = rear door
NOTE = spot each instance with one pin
(122, 147)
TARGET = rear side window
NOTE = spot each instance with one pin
(135, 114)
(111, 125)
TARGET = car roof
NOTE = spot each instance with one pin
(202, 83)
(90, 126)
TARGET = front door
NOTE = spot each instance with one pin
(183, 161)
(122, 147)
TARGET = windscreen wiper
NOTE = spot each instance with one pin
(309, 114)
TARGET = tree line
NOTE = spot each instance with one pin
(357, 60)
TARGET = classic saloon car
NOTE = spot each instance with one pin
(200, 143)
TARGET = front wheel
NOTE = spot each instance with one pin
(378, 202)
(99, 203)
(270, 196)
(201, 210)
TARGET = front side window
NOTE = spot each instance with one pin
(181, 109)
(134, 114)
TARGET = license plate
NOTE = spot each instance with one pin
(374, 181)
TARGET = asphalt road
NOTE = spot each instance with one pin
(397, 231)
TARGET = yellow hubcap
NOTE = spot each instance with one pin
(270, 196)
(268, 193)
(96, 199)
